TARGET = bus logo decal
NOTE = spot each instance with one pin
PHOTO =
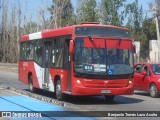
(110, 71)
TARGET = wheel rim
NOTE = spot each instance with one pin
(153, 90)
(30, 83)
(30, 86)
(58, 90)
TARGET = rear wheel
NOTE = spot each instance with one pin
(109, 98)
(31, 88)
(153, 91)
(60, 96)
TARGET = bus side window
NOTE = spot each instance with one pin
(30, 50)
(23, 51)
(57, 58)
(57, 53)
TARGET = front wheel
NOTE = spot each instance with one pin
(109, 98)
(153, 91)
(60, 96)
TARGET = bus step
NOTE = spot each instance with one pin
(67, 92)
(45, 86)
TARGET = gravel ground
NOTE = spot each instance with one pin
(9, 66)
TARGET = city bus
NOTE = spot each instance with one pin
(76, 60)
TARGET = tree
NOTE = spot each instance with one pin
(111, 12)
(67, 14)
(148, 33)
(139, 28)
(10, 32)
(155, 3)
(87, 11)
(61, 13)
(135, 18)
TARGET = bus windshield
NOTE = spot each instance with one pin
(102, 31)
(104, 61)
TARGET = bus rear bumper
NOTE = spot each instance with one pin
(80, 90)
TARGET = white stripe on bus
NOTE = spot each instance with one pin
(51, 85)
(40, 76)
(39, 72)
(34, 36)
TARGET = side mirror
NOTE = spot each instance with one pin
(143, 73)
(71, 46)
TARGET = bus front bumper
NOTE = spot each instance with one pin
(81, 90)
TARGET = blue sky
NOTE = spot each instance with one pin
(33, 6)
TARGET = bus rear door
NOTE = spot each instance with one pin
(46, 62)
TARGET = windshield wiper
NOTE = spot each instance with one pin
(96, 48)
(91, 40)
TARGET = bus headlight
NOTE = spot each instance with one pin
(130, 82)
(78, 82)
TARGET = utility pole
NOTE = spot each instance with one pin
(158, 37)
(157, 28)
(155, 10)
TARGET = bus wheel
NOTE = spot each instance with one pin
(153, 90)
(31, 88)
(109, 98)
(59, 94)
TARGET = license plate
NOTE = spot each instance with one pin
(105, 91)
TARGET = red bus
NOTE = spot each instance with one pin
(84, 59)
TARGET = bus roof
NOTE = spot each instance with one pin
(68, 30)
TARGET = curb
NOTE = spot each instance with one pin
(35, 96)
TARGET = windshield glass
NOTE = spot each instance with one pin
(102, 31)
(155, 68)
(105, 61)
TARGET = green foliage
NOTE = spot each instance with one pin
(112, 12)
(144, 51)
(135, 18)
(61, 13)
(149, 29)
(148, 33)
(67, 14)
(87, 11)
(141, 30)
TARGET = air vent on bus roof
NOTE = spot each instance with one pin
(89, 23)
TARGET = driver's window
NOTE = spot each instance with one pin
(145, 68)
(138, 68)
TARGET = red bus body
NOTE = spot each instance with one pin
(70, 83)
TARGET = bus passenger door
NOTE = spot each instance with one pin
(67, 84)
(68, 58)
(47, 52)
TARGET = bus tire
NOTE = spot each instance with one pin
(153, 91)
(59, 94)
(31, 88)
(109, 98)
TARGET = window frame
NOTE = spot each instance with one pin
(26, 43)
(42, 55)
